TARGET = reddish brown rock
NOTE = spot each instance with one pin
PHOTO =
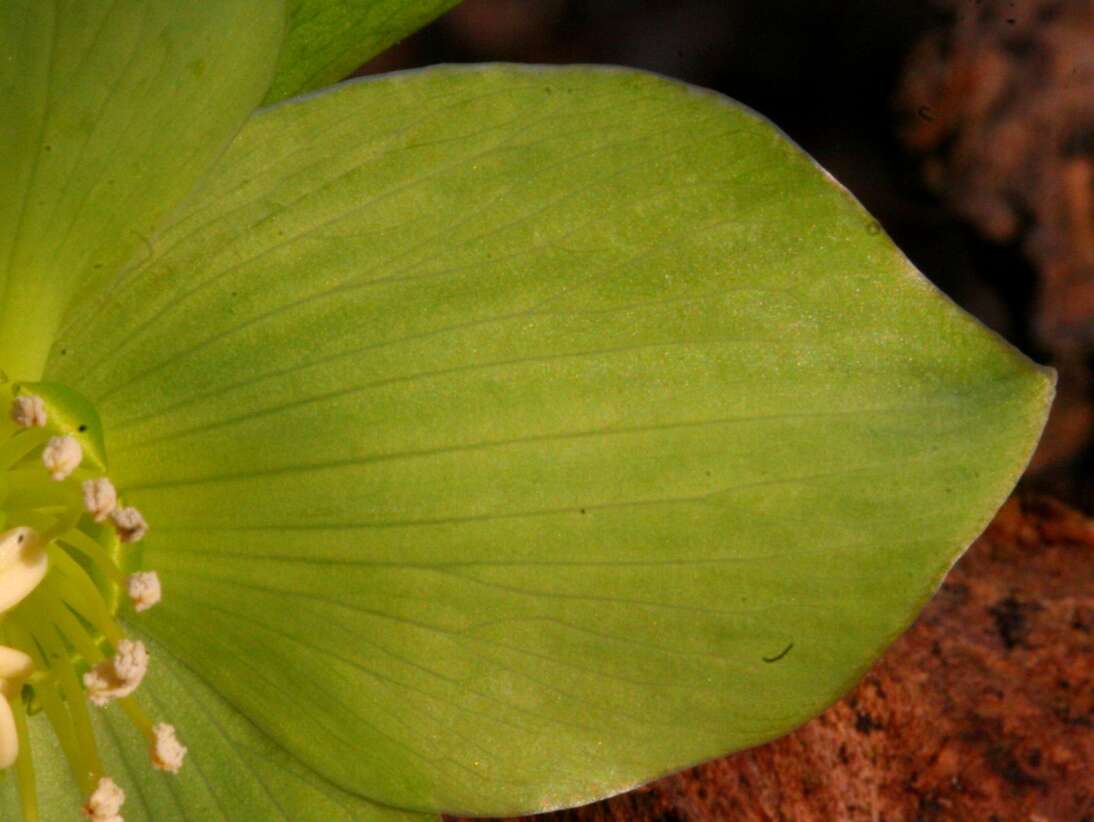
(981, 711)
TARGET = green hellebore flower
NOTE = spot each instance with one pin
(504, 437)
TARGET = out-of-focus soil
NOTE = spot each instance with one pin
(983, 710)
(1000, 103)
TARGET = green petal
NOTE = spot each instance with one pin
(328, 39)
(511, 437)
(112, 109)
(232, 772)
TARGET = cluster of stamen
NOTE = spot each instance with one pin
(64, 540)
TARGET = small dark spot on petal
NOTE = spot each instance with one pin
(778, 656)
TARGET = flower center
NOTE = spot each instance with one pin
(69, 556)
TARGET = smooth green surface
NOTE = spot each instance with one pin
(233, 774)
(496, 425)
(327, 39)
(110, 111)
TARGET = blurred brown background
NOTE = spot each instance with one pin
(965, 126)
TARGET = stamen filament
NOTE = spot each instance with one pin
(138, 717)
(66, 735)
(74, 587)
(61, 524)
(94, 551)
(72, 630)
(17, 447)
(49, 523)
(77, 707)
(32, 489)
(8, 426)
(51, 701)
(24, 765)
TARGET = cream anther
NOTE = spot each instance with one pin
(100, 498)
(62, 456)
(23, 563)
(144, 590)
(118, 676)
(167, 752)
(15, 666)
(130, 524)
(29, 412)
(106, 802)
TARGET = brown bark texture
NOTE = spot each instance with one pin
(981, 711)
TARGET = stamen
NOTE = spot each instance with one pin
(51, 640)
(167, 752)
(29, 412)
(86, 545)
(163, 745)
(118, 676)
(62, 576)
(100, 498)
(72, 585)
(106, 802)
(52, 704)
(144, 590)
(130, 524)
(24, 765)
(69, 627)
(62, 456)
